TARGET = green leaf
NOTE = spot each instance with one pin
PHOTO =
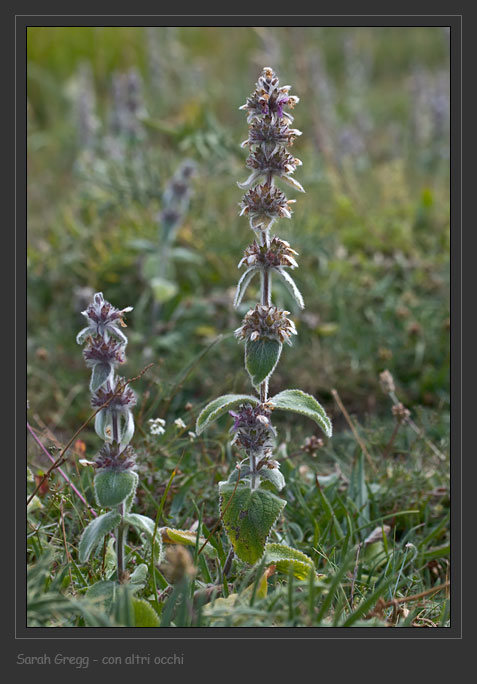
(163, 289)
(144, 524)
(244, 473)
(34, 505)
(286, 558)
(261, 357)
(358, 492)
(220, 406)
(138, 578)
(297, 401)
(274, 476)
(243, 283)
(248, 518)
(102, 594)
(112, 487)
(186, 537)
(100, 374)
(292, 287)
(144, 614)
(94, 533)
(123, 606)
(186, 256)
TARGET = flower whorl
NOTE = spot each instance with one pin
(268, 138)
(104, 351)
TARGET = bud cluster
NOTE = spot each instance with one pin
(128, 105)
(175, 200)
(104, 351)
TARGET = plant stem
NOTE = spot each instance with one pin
(228, 562)
(266, 300)
(265, 295)
(121, 534)
(120, 542)
(253, 470)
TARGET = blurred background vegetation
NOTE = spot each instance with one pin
(113, 115)
(372, 230)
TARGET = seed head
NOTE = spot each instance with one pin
(263, 204)
(400, 412)
(387, 381)
(277, 253)
(269, 99)
(278, 163)
(178, 564)
(264, 132)
(266, 321)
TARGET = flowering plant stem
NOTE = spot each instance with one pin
(115, 479)
(248, 508)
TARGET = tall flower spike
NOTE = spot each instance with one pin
(115, 479)
(250, 510)
(269, 136)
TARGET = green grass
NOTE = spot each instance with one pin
(372, 231)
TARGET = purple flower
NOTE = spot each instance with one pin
(113, 457)
(100, 351)
(253, 429)
(103, 319)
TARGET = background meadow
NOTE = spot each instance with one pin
(113, 116)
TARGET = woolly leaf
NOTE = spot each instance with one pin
(243, 283)
(220, 406)
(234, 475)
(248, 517)
(294, 183)
(100, 374)
(113, 487)
(123, 606)
(274, 476)
(102, 593)
(94, 533)
(127, 430)
(285, 558)
(145, 525)
(101, 423)
(290, 283)
(144, 614)
(297, 401)
(138, 578)
(261, 357)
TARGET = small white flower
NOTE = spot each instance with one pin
(156, 426)
(192, 435)
(179, 423)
